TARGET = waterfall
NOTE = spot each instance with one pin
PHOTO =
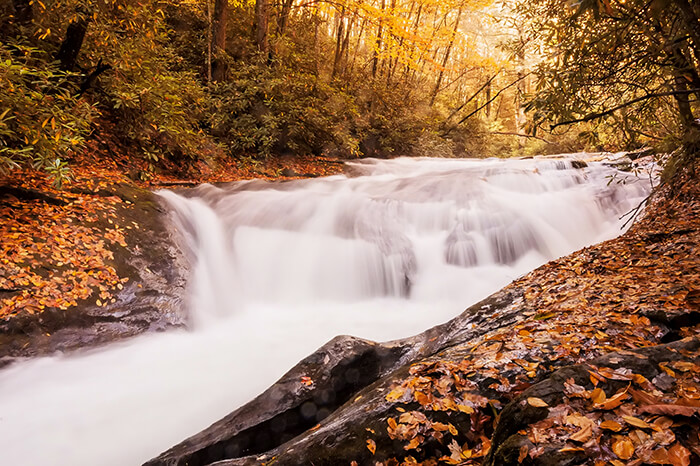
(280, 268)
(405, 228)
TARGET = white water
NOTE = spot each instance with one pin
(282, 268)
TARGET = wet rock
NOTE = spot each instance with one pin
(152, 299)
(305, 396)
(350, 379)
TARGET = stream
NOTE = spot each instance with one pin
(280, 268)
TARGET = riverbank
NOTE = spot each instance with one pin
(96, 261)
(594, 357)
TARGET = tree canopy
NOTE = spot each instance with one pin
(200, 79)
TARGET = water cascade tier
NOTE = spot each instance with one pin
(282, 267)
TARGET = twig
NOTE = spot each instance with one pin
(636, 211)
(529, 136)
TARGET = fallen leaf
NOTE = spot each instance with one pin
(371, 446)
(537, 402)
(666, 409)
(611, 425)
(623, 448)
(586, 427)
(598, 396)
(679, 455)
(636, 422)
(570, 449)
(523, 453)
(613, 402)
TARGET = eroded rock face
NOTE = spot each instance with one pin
(305, 396)
(152, 299)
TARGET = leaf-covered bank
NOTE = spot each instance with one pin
(97, 261)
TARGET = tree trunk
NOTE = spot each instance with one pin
(73, 42)
(446, 58)
(218, 44)
(284, 17)
(691, 20)
(378, 43)
(262, 19)
(340, 35)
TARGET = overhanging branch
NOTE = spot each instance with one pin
(595, 116)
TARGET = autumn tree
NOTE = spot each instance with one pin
(218, 40)
(632, 64)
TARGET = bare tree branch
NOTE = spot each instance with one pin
(520, 135)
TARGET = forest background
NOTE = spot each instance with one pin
(180, 85)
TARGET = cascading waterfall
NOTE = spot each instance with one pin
(280, 268)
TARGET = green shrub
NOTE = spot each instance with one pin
(42, 120)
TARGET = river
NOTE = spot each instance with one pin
(281, 268)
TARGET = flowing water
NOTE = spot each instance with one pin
(283, 267)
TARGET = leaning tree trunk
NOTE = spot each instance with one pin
(73, 42)
(218, 44)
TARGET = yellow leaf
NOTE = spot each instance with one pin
(636, 422)
(537, 402)
(396, 394)
(598, 396)
(465, 409)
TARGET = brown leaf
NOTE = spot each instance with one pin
(659, 456)
(586, 425)
(679, 455)
(613, 402)
(623, 448)
(598, 396)
(523, 453)
(666, 409)
(570, 449)
(414, 443)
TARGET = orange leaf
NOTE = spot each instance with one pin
(623, 448)
(611, 425)
(613, 402)
(598, 396)
(678, 455)
(524, 450)
(371, 446)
